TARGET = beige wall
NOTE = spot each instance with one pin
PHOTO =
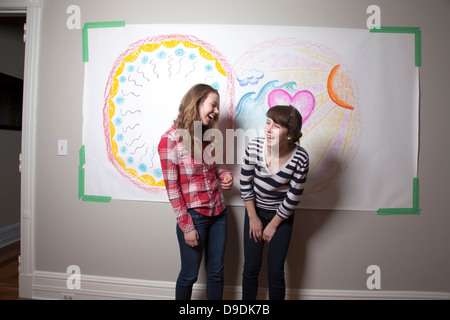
(329, 249)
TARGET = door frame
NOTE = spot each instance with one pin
(32, 9)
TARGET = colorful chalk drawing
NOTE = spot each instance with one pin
(315, 80)
(135, 92)
(304, 74)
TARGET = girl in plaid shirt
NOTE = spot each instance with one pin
(192, 179)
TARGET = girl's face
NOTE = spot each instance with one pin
(209, 109)
(275, 133)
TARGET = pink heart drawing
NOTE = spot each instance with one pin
(303, 100)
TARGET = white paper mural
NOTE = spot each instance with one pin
(357, 92)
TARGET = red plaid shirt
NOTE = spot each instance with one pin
(189, 185)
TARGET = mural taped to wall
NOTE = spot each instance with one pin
(137, 75)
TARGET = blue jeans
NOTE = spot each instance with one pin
(277, 251)
(212, 232)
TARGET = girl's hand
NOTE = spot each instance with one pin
(191, 238)
(256, 229)
(271, 228)
(227, 182)
(269, 232)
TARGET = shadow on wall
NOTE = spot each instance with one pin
(235, 250)
(307, 223)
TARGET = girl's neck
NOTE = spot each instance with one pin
(282, 150)
(275, 159)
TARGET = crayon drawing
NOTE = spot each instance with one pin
(137, 89)
(312, 78)
(136, 76)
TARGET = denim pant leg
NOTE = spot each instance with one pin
(214, 256)
(212, 235)
(190, 264)
(278, 248)
(252, 263)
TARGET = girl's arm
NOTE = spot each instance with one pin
(167, 151)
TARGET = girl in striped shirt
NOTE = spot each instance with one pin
(272, 179)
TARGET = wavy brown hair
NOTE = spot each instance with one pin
(188, 111)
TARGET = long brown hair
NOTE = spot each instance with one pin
(188, 111)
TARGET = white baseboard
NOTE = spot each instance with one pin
(51, 285)
(9, 234)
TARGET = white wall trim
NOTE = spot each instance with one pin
(19, 4)
(28, 177)
(52, 285)
(9, 234)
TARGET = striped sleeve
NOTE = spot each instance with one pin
(248, 171)
(296, 185)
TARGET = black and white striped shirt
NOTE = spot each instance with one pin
(281, 190)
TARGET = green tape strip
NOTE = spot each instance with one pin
(416, 194)
(417, 38)
(96, 199)
(91, 25)
(80, 183)
(418, 44)
(84, 39)
(82, 157)
(82, 154)
(395, 29)
(414, 210)
(397, 211)
(81, 178)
